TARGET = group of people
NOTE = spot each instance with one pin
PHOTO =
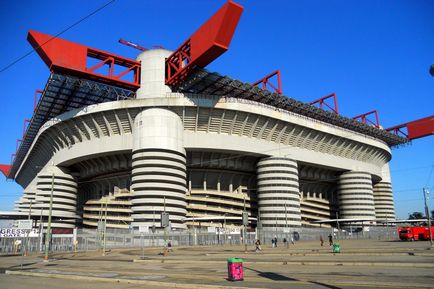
(330, 237)
(273, 243)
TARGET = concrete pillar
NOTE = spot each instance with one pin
(64, 208)
(152, 75)
(355, 196)
(278, 185)
(158, 168)
(383, 196)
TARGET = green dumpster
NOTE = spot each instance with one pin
(336, 248)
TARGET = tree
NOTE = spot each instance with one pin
(415, 215)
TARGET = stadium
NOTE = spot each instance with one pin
(161, 134)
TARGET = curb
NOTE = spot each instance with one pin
(308, 263)
(126, 281)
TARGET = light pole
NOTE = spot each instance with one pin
(286, 227)
(426, 198)
(105, 227)
(48, 236)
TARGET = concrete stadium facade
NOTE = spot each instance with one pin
(203, 159)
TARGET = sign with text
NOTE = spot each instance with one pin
(25, 224)
(17, 233)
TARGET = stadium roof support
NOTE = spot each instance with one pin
(63, 93)
(206, 44)
(208, 83)
(266, 81)
(414, 129)
(364, 117)
(67, 57)
(322, 103)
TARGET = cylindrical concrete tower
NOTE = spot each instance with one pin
(158, 168)
(278, 192)
(64, 187)
(383, 196)
(153, 73)
(355, 195)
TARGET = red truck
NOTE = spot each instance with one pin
(414, 233)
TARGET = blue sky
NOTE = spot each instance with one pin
(373, 54)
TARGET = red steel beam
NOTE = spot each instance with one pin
(414, 129)
(322, 102)
(5, 169)
(26, 121)
(35, 98)
(364, 118)
(206, 44)
(68, 57)
(266, 81)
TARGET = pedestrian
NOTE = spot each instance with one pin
(273, 245)
(330, 239)
(321, 240)
(275, 241)
(292, 240)
(284, 242)
(258, 245)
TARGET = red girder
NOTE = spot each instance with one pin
(414, 129)
(322, 102)
(265, 81)
(210, 41)
(68, 57)
(26, 121)
(5, 169)
(35, 98)
(364, 118)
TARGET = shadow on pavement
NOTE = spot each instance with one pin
(325, 285)
(271, 275)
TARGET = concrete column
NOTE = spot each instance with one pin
(355, 196)
(64, 208)
(278, 185)
(383, 196)
(158, 168)
(152, 75)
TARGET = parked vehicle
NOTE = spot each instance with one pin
(414, 233)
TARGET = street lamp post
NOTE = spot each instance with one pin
(426, 198)
(48, 236)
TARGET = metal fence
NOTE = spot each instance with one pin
(93, 239)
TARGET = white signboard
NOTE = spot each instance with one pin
(285, 230)
(25, 224)
(144, 229)
(17, 233)
(229, 231)
(211, 230)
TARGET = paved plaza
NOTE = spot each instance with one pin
(361, 264)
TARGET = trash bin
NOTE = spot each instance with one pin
(336, 248)
(235, 269)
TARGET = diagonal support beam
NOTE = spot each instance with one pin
(205, 45)
(266, 82)
(62, 56)
(322, 102)
(414, 129)
(365, 118)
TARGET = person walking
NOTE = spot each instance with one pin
(258, 245)
(321, 240)
(330, 239)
